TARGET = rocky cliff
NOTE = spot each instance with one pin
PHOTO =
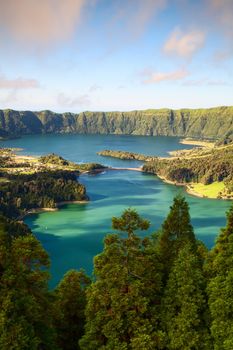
(200, 123)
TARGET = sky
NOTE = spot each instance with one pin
(107, 55)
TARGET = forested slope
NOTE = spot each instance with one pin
(159, 292)
(21, 193)
(200, 123)
(28, 183)
(204, 166)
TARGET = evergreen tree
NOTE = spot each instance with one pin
(129, 222)
(69, 309)
(122, 303)
(220, 287)
(16, 331)
(184, 306)
(176, 231)
(25, 312)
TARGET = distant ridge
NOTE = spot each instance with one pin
(216, 123)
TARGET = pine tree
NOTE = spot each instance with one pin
(16, 331)
(129, 222)
(25, 317)
(121, 312)
(69, 309)
(220, 287)
(184, 306)
(176, 231)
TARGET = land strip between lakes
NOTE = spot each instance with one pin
(206, 171)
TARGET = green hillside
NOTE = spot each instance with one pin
(210, 171)
(199, 123)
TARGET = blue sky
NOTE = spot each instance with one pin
(75, 55)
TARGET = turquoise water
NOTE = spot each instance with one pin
(83, 148)
(74, 234)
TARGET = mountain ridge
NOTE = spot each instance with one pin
(215, 123)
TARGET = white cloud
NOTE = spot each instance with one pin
(151, 77)
(184, 44)
(18, 83)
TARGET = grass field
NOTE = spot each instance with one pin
(211, 191)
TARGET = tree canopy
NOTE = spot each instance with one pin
(163, 291)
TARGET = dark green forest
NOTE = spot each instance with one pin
(216, 123)
(60, 161)
(162, 291)
(126, 155)
(215, 165)
(198, 165)
(20, 193)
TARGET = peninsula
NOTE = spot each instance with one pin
(205, 171)
(30, 184)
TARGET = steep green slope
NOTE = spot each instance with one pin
(200, 123)
(204, 167)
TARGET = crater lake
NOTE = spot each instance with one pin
(74, 235)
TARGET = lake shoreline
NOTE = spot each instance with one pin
(196, 142)
(43, 210)
(204, 144)
(188, 187)
(195, 189)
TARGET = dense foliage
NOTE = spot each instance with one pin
(40, 190)
(220, 285)
(164, 291)
(198, 165)
(60, 161)
(13, 228)
(201, 123)
(125, 155)
(122, 303)
(54, 159)
(26, 320)
(70, 302)
(214, 165)
(184, 305)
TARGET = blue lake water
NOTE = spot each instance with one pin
(74, 234)
(84, 148)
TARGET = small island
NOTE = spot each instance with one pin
(126, 155)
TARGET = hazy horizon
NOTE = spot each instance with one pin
(114, 111)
